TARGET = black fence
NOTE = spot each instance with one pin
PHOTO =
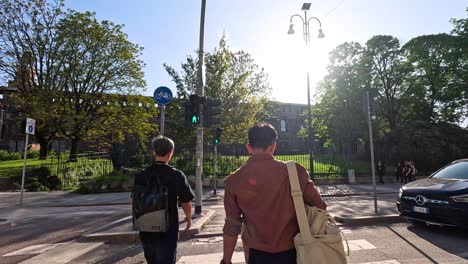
(69, 171)
(324, 167)
(81, 167)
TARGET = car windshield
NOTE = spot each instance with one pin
(456, 171)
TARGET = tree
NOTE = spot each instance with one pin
(461, 31)
(235, 79)
(29, 61)
(130, 118)
(97, 60)
(437, 91)
(388, 69)
(338, 117)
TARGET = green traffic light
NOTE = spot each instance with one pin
(194, 119)
(216, 141)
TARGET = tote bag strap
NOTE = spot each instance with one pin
(299, 207)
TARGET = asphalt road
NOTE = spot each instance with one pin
(402, 242)
(29, 226)
(392, 243)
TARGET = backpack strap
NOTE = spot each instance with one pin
(299, 206)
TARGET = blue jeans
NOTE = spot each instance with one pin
(160, 252)
(262, 257)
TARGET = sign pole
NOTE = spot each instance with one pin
(371, 139)
(162, 96)
(163, 119)
(24, 167)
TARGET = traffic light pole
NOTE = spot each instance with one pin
(215, 168)
(371, 140)
(199, 146)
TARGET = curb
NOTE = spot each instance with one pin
(208, 199)
(76, 205)
(355, 194)
(133, 237)
(208, 234)
(369, 219)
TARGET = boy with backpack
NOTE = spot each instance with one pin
(156, 192)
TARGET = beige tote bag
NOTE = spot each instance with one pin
(319, 240)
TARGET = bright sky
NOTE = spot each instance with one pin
(169, 31)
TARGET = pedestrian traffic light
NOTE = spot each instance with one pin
(194, 109)
(185, 113)
(213, 110)
(217, 135)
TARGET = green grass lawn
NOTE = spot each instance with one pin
(19, 163)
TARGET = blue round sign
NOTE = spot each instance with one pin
(162, 95)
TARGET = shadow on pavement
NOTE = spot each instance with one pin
(437, 236)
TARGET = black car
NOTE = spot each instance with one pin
(440, 199)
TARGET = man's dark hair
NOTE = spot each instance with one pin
(162, 145)
(262, 136)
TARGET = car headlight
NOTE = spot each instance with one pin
(400, 193)
(460, 198)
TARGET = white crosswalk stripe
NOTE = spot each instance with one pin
(392, 261)
(359, 244)
(33, 250)
(238, 257)
(215, 258)
(63, 253)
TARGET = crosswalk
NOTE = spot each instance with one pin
(238, 256)
(62, 253)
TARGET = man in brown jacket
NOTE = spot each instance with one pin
(258, 200)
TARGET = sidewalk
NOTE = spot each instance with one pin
(67, 199)
(357, 189)
(360, 211)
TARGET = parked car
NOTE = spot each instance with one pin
(441, 199)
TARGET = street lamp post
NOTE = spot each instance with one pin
(306, 35)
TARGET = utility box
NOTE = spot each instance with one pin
(351, 176)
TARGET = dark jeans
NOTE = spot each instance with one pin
(160, 251)
(381, 179)
(262, 257)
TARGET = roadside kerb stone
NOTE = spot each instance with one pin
(77, 205)
(355, 194)
(369, 219)
(132, 236)
(86, 204)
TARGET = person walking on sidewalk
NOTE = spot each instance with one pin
(381, 171)
(407, 172)
(161, 247)
(399, 172)
(258, 200)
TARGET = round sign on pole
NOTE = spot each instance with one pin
(162, 95)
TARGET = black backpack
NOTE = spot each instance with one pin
(150, 205)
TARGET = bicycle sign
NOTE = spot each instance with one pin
(162, 95)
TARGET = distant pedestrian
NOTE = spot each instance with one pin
(258, 201)
(160, 247)
(406, 172)
(399, 172)
(381, 171)
(412, 174)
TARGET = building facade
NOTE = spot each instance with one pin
(290, 120)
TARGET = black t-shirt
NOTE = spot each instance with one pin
(178, 190)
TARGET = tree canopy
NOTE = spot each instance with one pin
(233, 78)
(65, 65)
